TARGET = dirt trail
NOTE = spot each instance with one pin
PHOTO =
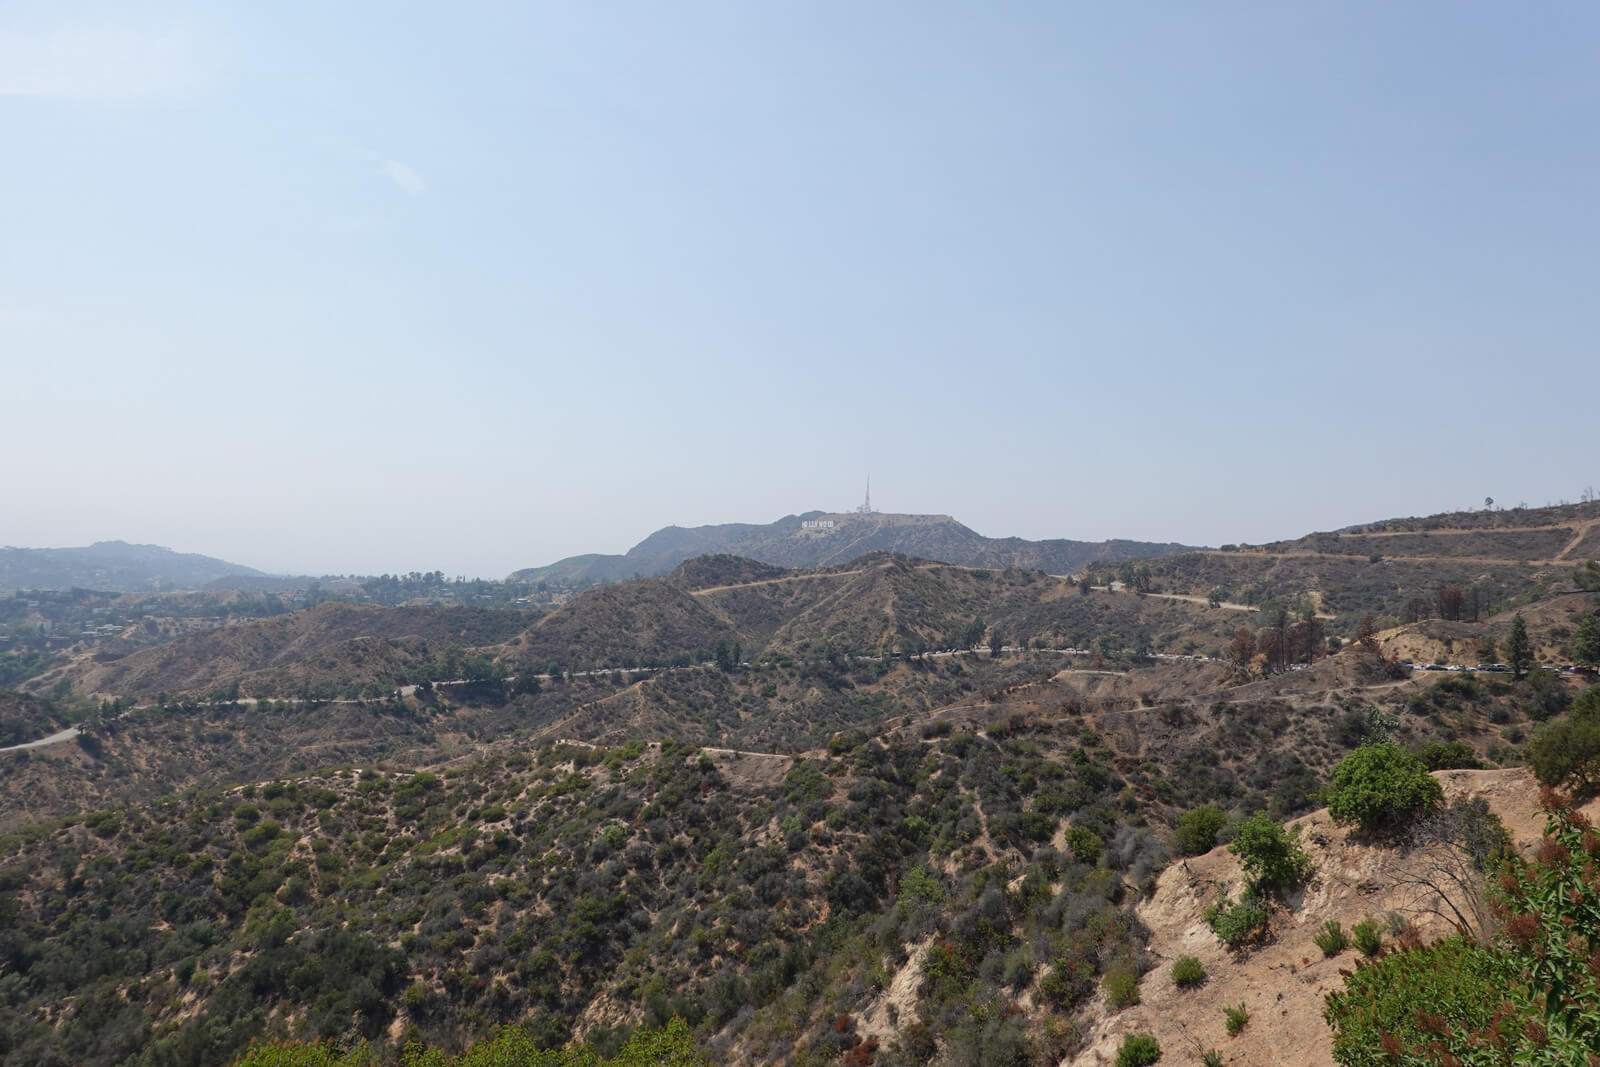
(1468, 532)
(1582, 531)
(774, 581)
(1300, 553)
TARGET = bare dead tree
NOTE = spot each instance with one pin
(1440, 870)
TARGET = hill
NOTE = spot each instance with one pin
(952, 887)
(1396, 568)
(327, 650)
(821, 539)
(114, 566)
(889, 810)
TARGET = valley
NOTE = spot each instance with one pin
(890, 810)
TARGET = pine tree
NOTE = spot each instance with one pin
(1585, 644)
(1519, 651)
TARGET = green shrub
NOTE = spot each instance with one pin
(1368, 938)
(1235, 1018)
(1121, 987)
(1331, 939)
(1381, 788)
(1448, 756)
(1270, 855)
(1066, 985)
(1138, 1050)
(1187, 972)
(1211, 1058)
(1196, 830)
(1085, 844)
(1234, 924)
(1527, 997)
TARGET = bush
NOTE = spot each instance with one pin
(1270, 854)
(1066, 984)
(1187, 972)
(1121, 988)
(1368, 938)
(1234, 924)
(1195, 832)
(1381, 788)
(1449, 756)
(1236, 1017)
(1331, 939)
(1138, 1050)
(1527, 997)
(1086, 845)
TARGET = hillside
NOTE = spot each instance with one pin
(26, 718)
(888, 811)
(329, 649)
(1283, 982)
(876, 605)
(1397, 568)
(821, 539)
(114, 566)
(932, 881)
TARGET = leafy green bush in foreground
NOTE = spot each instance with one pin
(1530, 996)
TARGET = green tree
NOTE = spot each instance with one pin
(1270, 855)
(1487, 653)
(1585, 644)
(1566, 753)
(1381, 787)
(727, 656)
(1519, 650)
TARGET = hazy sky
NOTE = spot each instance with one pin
(360, 287)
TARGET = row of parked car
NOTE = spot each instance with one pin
(1497, 668)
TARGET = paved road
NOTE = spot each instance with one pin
(54, 739)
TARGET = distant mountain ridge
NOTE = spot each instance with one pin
(822, 539)
(114, 566)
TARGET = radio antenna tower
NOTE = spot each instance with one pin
(866, 507)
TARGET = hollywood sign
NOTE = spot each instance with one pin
(817, 524)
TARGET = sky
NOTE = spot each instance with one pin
(363, 288)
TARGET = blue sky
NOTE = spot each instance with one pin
(376, 287)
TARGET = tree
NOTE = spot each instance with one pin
(1380, 788)
(1441, 871)
(1585, 644)
(1566, 753)
(1242, 649)
(1519, 650)
(1450, 600)
(1270, 855)
(1367, 632)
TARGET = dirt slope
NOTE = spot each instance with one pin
(1283, 983)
